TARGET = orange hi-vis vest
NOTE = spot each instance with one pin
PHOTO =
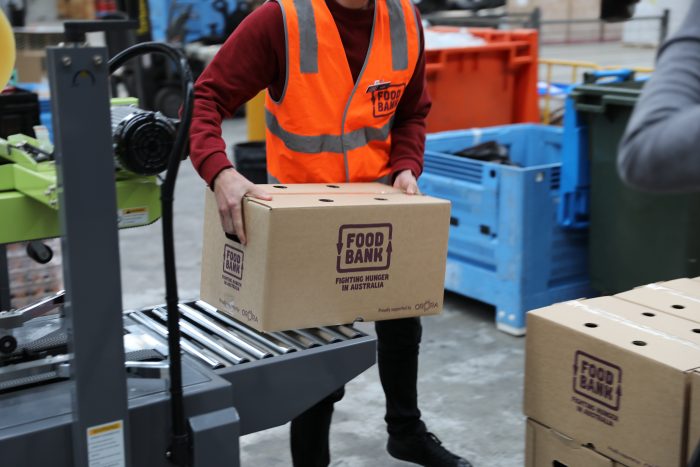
(325, 128)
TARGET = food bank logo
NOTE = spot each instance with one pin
(385, 99)
(597, 380)
(233, 262)
(364, 247)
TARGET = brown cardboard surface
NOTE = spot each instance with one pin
(312, 263)
(76, 9)
(679, 298)
(30, 65)
(672, 326)
(329, 189)
(594, 372)
(694, 422)
(690, 286)
(547, 448)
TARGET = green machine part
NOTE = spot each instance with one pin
(29, 199)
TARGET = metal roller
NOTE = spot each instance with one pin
(280, 337)
(330, 335)
(258, 338)
(186, 346)
(229, 337)
(300, 340)
(310, 336)
(203, 339)
(347, 331)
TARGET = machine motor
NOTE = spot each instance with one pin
(142, 139)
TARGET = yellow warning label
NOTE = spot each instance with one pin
(131, 217)
(105, 428)
(106, 445)
(135, 210)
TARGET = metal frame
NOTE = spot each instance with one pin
(41, 417)
(79, 81)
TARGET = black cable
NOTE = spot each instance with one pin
(179, 451)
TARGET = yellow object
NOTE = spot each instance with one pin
(255, 117)
(7, 50)
(575, 66)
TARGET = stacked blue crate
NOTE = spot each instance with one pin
(506, 247)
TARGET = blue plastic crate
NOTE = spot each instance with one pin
(45, 115)
(575, 184)
(204, 20)
(506, 247)
(573, 212)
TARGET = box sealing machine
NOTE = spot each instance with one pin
(83, 383)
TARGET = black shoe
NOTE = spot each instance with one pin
(424, 449)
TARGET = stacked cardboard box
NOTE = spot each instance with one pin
(616, 377)
(548, 448)
(31, 43)
(29, 280)
(76, 9)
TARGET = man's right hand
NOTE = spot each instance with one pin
(230, 187)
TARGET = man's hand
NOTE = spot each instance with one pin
(407, 182)
(230, 187)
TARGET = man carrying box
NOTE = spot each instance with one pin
(346, 102)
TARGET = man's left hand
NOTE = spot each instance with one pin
(407, 182)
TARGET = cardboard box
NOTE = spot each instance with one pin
(76, 9)
(691, 287)
(600, 371)
(328, 254)
(31, 65)
(694, 423)
(679, 298)
(547, 448)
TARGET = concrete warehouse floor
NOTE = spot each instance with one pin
(471, 375)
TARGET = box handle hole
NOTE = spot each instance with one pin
(332, 186)
(281, 187)
(591, 325)
(678, 307)
(558, 464)
(381, 199)
(649, 314)
(639, 343)
(696, 331)
(326, 200)
(233, 237)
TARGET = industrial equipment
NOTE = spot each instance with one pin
(83, 383)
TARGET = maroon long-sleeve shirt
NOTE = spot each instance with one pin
(254, 58)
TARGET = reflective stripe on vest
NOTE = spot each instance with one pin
(322, 112)
(314, 144)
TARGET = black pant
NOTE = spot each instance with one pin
(398, 343)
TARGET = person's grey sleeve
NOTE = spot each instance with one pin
(660, 150)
